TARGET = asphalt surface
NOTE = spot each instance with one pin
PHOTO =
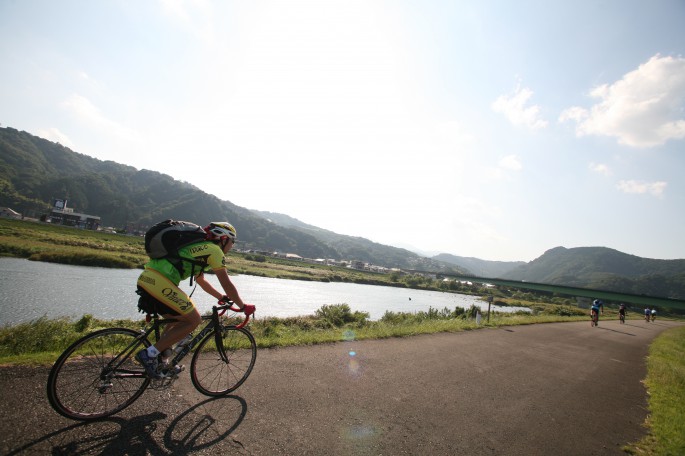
(552, 389)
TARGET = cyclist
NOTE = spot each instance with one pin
(653, 313)
(158, 286)
(648, 312)
(594, 310)
(622, 312)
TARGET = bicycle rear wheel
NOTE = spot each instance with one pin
(216, 371)
(88, 382)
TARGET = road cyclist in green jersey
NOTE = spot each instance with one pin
(158, 287)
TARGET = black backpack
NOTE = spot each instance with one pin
(164, 240)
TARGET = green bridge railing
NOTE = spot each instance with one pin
(581, 292)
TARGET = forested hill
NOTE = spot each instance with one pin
(605, 269)
(33, 171)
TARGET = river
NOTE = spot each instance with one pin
(31, 289)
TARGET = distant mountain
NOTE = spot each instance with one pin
(363, 249)
(34, 171)
(480, 268)
(602, 268)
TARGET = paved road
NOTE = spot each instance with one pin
(562, 389)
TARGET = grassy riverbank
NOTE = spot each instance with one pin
(60, 244)
(38, 241)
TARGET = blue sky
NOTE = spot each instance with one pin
(488, 129)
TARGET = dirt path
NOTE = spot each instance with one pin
(563, 389)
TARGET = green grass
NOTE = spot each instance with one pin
(666, 386)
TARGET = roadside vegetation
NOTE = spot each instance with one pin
(666, 386)
(42, 340)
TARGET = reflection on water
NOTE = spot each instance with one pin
(33, 289)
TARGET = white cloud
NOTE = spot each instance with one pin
(53, 134)
(631, 186)
(643, 109)
(193, 16)
(514, 109)
(89, 114)
(600, 168)
(511, 162)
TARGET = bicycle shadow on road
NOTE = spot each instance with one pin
(205, 425)
(613, 330)
(112, 435)
(194, 430)
(645, 326)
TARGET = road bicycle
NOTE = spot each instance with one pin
(594, 318)
(98, 376)
(622, 318)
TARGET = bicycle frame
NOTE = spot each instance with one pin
(157, 324)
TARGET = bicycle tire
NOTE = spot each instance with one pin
(211, 374)
(81, 388)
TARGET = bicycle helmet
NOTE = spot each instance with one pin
(218, 231)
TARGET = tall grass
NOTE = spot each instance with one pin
(41, 340)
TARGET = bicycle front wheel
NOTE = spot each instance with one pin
(218, 370)
(96, 377)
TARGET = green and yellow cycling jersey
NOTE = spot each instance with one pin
(196, 258)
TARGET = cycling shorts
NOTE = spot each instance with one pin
(175, 300)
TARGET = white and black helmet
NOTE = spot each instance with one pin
(217, 231)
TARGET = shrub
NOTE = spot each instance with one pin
(338, 315)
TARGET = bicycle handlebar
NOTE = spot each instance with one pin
(224, 305)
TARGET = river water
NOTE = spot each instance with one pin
(31, 289)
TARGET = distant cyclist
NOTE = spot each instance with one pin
(622, 313)
(654, 314)
(648, 313)
(594, 310)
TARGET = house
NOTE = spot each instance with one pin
(9, 213)
(63, 215)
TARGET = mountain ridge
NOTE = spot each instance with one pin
(33, 171)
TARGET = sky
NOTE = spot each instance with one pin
(489, 128)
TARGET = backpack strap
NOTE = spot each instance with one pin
(177, 262)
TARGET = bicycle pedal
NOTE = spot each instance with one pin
(172, 372)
